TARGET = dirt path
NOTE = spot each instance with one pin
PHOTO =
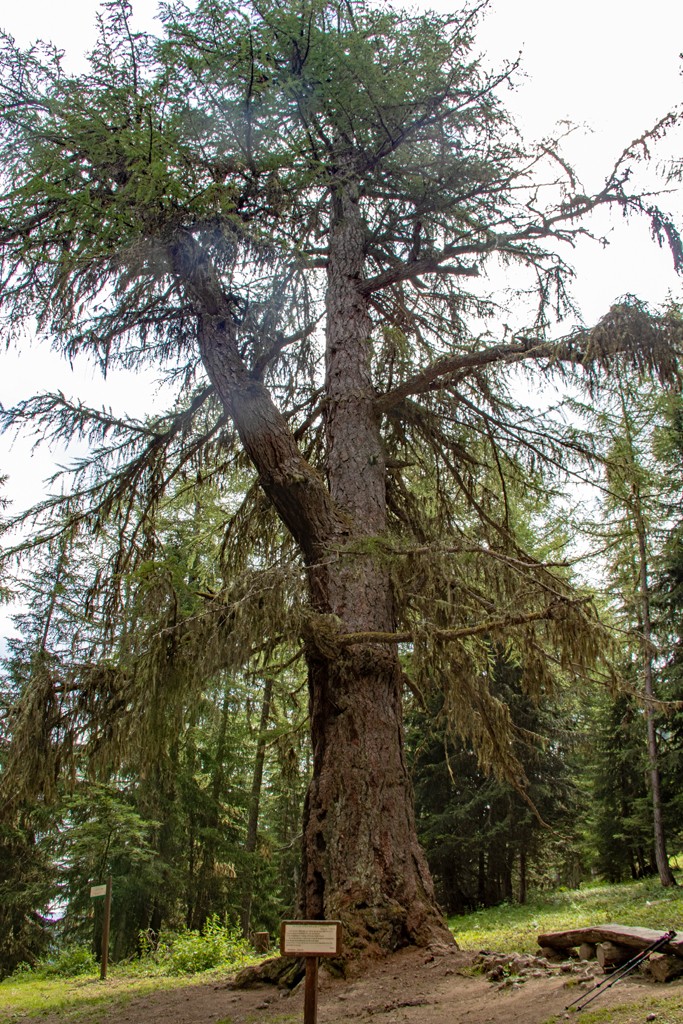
(412, 987)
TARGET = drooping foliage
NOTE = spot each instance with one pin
(164, 807)
(486, 842)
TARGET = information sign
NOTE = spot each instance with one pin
(98, 890)
(310, 938)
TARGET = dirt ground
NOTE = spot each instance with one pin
(411, 987)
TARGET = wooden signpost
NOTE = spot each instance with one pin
(104, 890)
(310, 939)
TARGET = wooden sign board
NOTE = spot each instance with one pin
(98, 890)
(310, 938)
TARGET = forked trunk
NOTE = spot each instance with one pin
(361, 858)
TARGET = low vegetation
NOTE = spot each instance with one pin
(514, 928)
(68, 982)
(666, 1010)
(29, 996)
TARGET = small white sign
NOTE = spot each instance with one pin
(310, 938)
(98, 890)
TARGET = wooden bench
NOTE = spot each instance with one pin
(617, 934)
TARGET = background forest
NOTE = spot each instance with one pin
(384, 509)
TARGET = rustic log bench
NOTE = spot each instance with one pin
(622, 935)
(613, 944)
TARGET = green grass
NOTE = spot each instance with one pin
(668, 1010)
(27, 996)
(503, 929)
(646, 904)
(510, 929)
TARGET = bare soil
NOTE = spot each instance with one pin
(440, 986)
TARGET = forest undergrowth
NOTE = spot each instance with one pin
(34, 993)
(512, 928)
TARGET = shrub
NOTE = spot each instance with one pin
(68, 962)
(190, 952)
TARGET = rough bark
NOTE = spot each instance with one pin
(362, 861)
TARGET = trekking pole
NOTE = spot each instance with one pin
(626, 968)
(622, 972)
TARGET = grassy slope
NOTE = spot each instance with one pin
(514, 929)
(25, 996)
(645, 904)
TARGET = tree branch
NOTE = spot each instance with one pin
(651, 344)
(409, 271)
(552, 611)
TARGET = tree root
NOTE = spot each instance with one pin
(281, 971)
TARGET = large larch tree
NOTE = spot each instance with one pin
(289, 209)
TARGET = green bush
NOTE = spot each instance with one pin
(190, 952)
(68, 962)
(176, 953)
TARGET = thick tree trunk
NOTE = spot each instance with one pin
(362, 860)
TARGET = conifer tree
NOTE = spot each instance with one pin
(628, 530)
(283, 207)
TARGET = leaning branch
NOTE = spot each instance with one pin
(416, 268)
(437, 375)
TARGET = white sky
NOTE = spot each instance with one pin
(611, 65)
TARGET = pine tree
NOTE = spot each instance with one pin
(628, 530)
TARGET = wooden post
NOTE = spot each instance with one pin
(310, 939)
(311, 991)
(105, 931)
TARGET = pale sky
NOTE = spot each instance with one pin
(611, 65)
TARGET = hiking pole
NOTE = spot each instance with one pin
(622, 972)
